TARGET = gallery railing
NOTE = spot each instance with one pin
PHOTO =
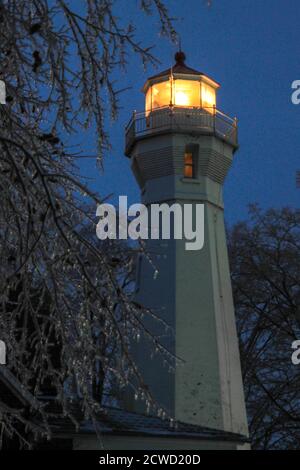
(171, 118)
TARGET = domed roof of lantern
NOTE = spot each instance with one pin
(180, 70)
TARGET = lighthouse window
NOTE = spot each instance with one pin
(188, 165)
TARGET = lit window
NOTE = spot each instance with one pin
(186, 93)
(208, 97)
(181, 93)
(188, 165)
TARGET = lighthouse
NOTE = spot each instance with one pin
(181, 147)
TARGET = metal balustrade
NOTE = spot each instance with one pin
(172, 119)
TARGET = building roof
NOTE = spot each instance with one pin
(11, 389)
(180, 68)
(110, 420)
(116, 421)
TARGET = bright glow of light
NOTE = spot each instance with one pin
(208, 96)
(181, 98)
(181, 93)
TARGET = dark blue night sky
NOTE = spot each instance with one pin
(252, 48)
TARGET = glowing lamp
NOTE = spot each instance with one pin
(180, 86)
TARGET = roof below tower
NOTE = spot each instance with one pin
(119, 422)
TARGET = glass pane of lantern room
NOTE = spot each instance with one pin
(186, 93)
(148, 101)
(161, 94)
(208, 97)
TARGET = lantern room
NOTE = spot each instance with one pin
(180, 86)
(180, 99)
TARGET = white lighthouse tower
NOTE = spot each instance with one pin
(181, 148)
